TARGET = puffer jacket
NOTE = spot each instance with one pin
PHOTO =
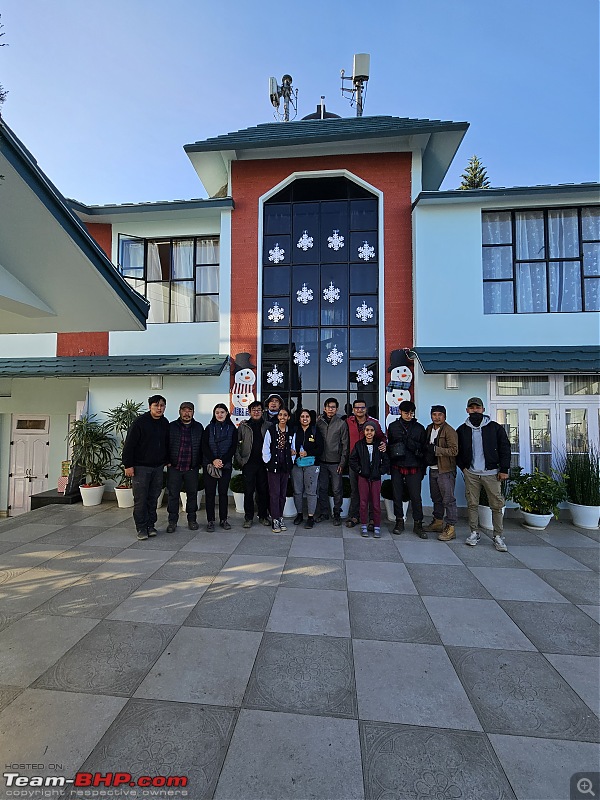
(197, 429)
(336, 438)
(446, 447)
(371, 469)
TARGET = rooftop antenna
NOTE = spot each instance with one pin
(360, 75)
(285, 91)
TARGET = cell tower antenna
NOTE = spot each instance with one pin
(360, 75)
(285, 92)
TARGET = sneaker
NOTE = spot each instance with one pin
(266, 522)
(500, 544)
(472, 538)
(152, 531)
(435, 526)
(310, 522)
(299, 519)
(247, 523)
(276, 527)
(364, 532)
(377, 533)
(337, 520)
(142, 534)
(210, 527)
(193, 525)
(448, 533)
(370, 527)
(282, 526)
(351, 522)
(225, 525)
(418, 529)
(171, 527)
(398, 527)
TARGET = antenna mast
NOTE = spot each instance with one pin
(285, 91)
(360, 75)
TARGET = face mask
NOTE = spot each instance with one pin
(476, 418)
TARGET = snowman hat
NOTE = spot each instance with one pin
(242, 361)
(399, 358)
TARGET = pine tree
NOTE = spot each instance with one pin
(475, 175)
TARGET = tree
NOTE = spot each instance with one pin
(475, 175)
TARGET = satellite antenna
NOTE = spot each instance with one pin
(360, 76)
(285, 91)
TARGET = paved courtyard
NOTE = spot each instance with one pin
(308, 664)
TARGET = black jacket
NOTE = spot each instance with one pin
(219, 440)
(311, 441)
(271, 438)
(147, 442)
(365, 467)
(414, 437)
(496, 446)
(197, 430)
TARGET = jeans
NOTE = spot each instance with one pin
(492, 486)
(369, 492)
(305, 480)
(255, 480)
(278, 482)
(210, 491)
(147, 484)
(327, 470)
(413, 487)
(176, 480)
(441, 489)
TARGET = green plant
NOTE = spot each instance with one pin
(93, 448)
(582, 476)
(237, 484)
(538, 493)
(120, 419)
(345, 487)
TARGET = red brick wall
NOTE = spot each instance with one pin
(390, 173)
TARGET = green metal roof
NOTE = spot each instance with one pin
(584, 359)
(150, 207)
(100, 366)
(466, 195)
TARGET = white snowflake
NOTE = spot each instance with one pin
(364, 312)
(335, 356)
(302, 357)
(336, 242)
(304, 294)
(276, 254)
(274, 377)
(305, 241)
(364, 375)
(366, 251)
(276, 313)
(331, 293)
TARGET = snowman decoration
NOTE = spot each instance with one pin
(398, 389)
(242, 393)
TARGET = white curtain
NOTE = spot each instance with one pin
(563, 234)
(183, 259)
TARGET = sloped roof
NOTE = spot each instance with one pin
(509, 360)
(206, 365)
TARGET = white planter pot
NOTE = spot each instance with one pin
(183, 498)
(161, 497)
(585, 516)
(485, 517)
(239, 501)
(389, 509)
(345, 506)
(536, 521)
(91, 495)
(289, 510)
(124, 497)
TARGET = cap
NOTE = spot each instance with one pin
(442, 409)
(474, 401)
(187, 404)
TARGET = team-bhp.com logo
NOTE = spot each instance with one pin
(89, 780)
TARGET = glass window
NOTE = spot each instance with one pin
(364, 277)
(497, 227)
(563, 235)
(592, 294)
(158, 295)
(363, 215)
(509, 419)
(531, 289)
(576, 430)
(183, 259)
(182, 301)
(498, 297)
(276, 281)
(278, 218)
(276, 250)
(497, 263)
(131, 257)
(590, 224)
(540, 440)
(582, 384)
(565, 286)
(522, 385)
(364, 247)
(530, 235)
(591, 259)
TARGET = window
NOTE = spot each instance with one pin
(180, 277)
(541, 260)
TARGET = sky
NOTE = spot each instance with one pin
(105, 93)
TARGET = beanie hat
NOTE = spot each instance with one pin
(442, 409)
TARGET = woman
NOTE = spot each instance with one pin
(278, 454)
(305, 474)
(219, 443)
(370, 464)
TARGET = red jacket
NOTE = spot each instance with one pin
(356, 435)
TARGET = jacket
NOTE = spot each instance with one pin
(147, 442)
(245, 439)
(219, 441)
(311, 441)
(371, 469)
(197, 429)
(354, 434)
(496, 446)
(413, 435)
(445, 447)
(270, 449)
(336, 440)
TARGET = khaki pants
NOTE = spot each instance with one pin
(492, 486)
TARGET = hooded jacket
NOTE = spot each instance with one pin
(496, 445)
(370, 468)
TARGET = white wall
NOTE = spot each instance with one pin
(27, 345)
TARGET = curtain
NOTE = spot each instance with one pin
(183, 259)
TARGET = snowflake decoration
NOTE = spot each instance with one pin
(302, 357)
(304, 294)
(275, 377)
(366, 251)
(335, 356)
(276, 313)
(332, 293)
(364, 312)
(364, 375)
(276, 254)
(305, 241)
(336, 242)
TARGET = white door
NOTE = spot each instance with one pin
(28, 461)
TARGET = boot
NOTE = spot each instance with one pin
(418, 529)
(435, 526)
(398, 527)
(448, 533)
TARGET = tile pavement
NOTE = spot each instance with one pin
(309, 664)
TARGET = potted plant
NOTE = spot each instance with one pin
(183, 496)
(538, 496)
(93, 449)
(582, 479)
(289, 509)
(120, 420)
(238, 487)
(388, 498)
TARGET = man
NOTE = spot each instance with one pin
(356, 425)
(484, 457)
(442, 448)
(406, 449)
(251, 434)
(334, 431)
(145, 452)
(185, 451)
(272, 407)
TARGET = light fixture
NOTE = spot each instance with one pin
(156, 381)
(451, 380)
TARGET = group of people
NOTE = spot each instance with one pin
(315, 453)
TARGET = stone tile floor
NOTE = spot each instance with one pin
(308, 664)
